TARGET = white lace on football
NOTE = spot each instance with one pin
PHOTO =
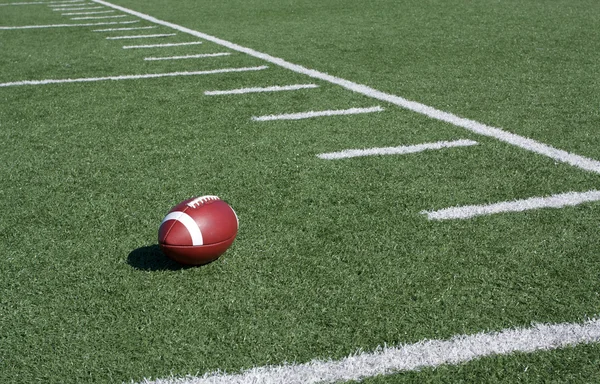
(198, 201)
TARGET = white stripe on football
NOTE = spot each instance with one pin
(189, 223)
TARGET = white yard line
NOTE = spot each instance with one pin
(68, 25)
(77, 4)
(401, 150)
(33, 3)
(97, 17)
(123, 29)
(38, 3)
(131, 77)
(74, 6)
(240, 91)
(86, 13)
(65, 5)
(555, 201)
(409, 357)
(471, 125)
(140, 36)
(198, 56)
(75, 9)
(161, 45)
(311, 114)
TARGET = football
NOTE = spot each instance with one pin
(198, 231)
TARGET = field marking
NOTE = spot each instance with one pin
(33, 3)
(131, 77)
(86, 13)
(70, 7)
(554, 201)
(75, 9)
(123, 29)
(410, 357)
(68, 25)
(97, 17)
(65, 5)
(161, 45)
(73, 4)
(39, 2)
(311, 114)
(401, 150)
(198, 56)
(140, 36)
(471, 125)
(265, 89)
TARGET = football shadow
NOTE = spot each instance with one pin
(151, 258)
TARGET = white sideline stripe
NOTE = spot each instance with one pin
(85, 13)
(554, 201)
(69, 25)
(410, 357)
(265, 89)
(310, 114)
(123, 29)
(471, 125)
(141, 36)
(97, 17)
(131, 77)
(198, 56)
(189, 223)
(162, 45)
(401, 150)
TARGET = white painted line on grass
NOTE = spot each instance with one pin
(53, 6)
(86, 13)
(97, 17)
(68, 6)
(123, 29)
(240, 91)
(401, 150)
(68, 25)
(471, 125)
(73, 4)
(409, 357)
(198, 56)
(32, 3)
(66, 2)
(131, 77)
(75, 9)
(310, 114)
(37, 3)
(141, 36)
(554, 201)
(162, 45)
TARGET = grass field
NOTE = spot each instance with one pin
(333, 257)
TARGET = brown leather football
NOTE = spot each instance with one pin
(198, 231)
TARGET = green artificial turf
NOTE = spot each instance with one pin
(331, 256)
